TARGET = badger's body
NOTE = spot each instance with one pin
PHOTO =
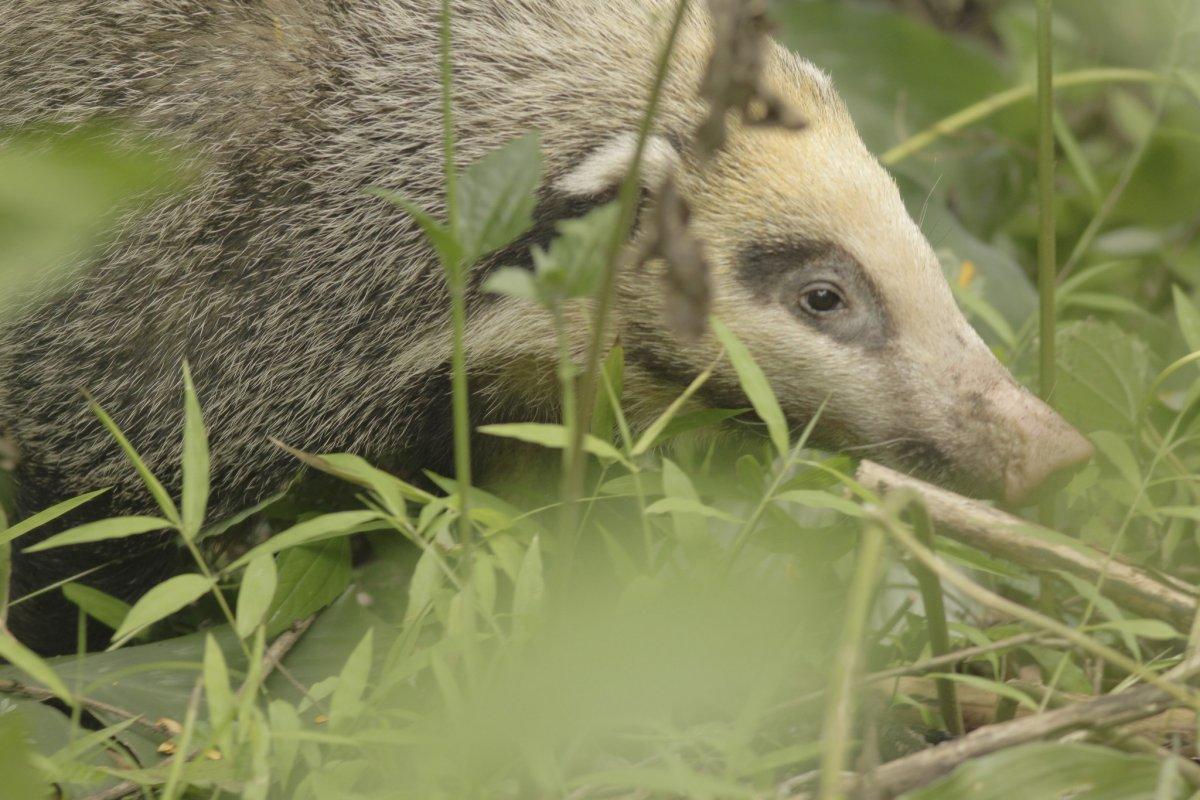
(313, 312)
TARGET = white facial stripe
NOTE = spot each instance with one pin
(605, 167)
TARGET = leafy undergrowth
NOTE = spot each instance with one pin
(726, 619)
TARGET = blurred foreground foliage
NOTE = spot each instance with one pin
(690, 653)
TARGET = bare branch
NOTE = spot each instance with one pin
(978, 525)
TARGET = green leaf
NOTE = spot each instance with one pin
(28, 662)
(255, 594)
(1152, 629)
(513, 282)
(22, 777)
(165, 503)
(447, 247)
(310, 577)
(390, 490)
(655, 431)
(218, 692)
(815, 499)
(96, 604)
(574, 264)
(604, 416)
(346, 705)
(161, 602)
(483, 582)
(497, 196)
(554, 436)
(994, 687)
(754, 384)
(49, 515)
(1048, 770)
(697, 420)
(1189, 319)
(1120, 455)
(427, 578)
(683, 505)
(64, 188)
(195, 460)
(102, 530)
(1180, 512)
(1104, 374)
(341, 523)
(531, 583)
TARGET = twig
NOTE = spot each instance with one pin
(980, 526)
(42, 695)
(1109, 711)
(272, 659)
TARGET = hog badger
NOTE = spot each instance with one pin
(315, 313)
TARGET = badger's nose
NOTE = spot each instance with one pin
(1047, 447)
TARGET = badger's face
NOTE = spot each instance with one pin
(820, 270)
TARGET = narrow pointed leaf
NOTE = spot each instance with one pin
(165, 503)
(195, 460)
(49, 515)
(322, 527)
(255, 594)
(161, 602)
(96, 604)
(32, 665)
(102, 530)
(755, 385)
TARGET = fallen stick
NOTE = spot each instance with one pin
(1175, 725)
(985, 528)
(907, 773)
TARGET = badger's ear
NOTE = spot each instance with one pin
(603, 169)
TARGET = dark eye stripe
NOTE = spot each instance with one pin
(783, 271)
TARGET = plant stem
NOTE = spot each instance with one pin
(456, 282)
(935, 619)
(628, 196)
(1047, 243)
(1005, 99)
(839, 711)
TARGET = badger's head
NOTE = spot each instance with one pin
(820, 270)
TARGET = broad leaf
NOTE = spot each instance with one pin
(310, 577)
(497, 196)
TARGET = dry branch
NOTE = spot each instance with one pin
(983, 527)
(1175, 725)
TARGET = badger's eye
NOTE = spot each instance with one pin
(822, 299)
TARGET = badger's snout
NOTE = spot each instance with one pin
(1044, 445)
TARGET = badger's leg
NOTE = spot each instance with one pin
(39, 614)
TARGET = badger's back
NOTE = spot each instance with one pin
(297, 298)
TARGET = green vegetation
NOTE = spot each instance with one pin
(685, 616)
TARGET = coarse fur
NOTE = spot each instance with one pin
(315, 313)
